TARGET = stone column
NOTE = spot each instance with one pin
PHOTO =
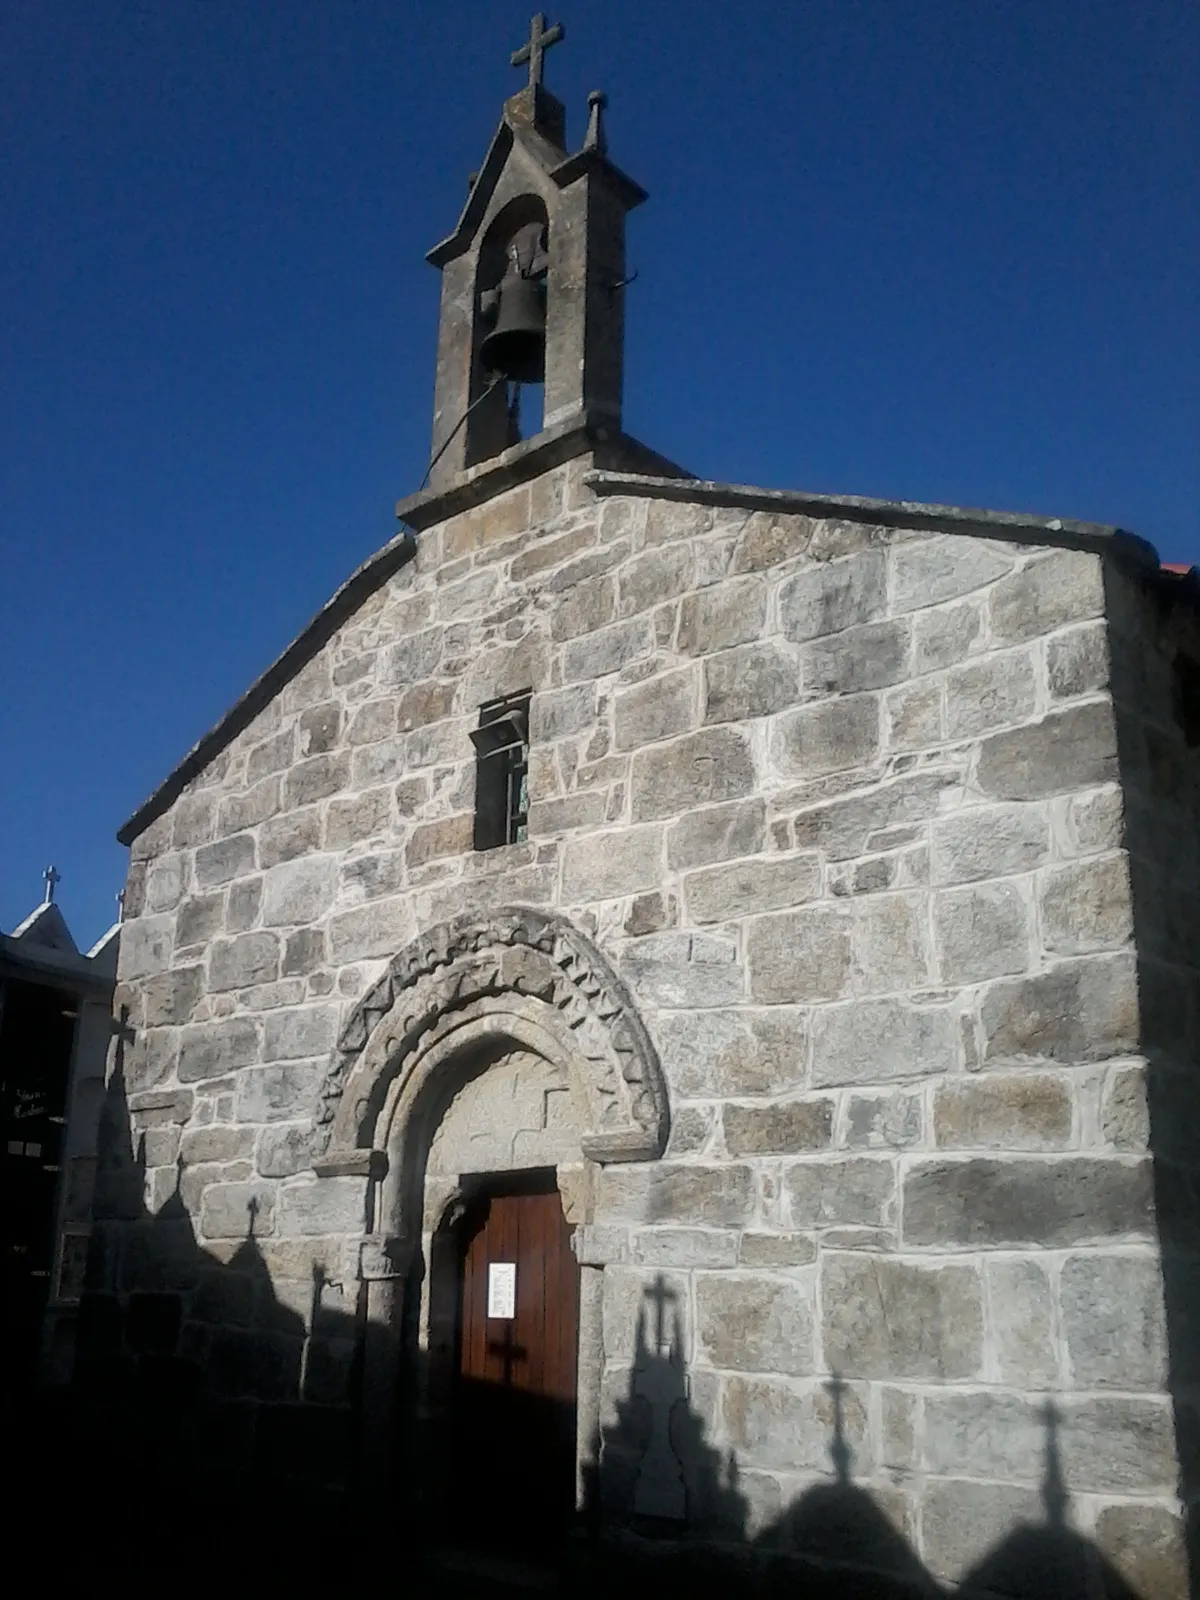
(595, 1248)
(384, 1264)
(588, 1379)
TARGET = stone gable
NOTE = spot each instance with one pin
(847, 810)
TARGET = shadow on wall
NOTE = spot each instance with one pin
(206, 1410)
(659, 1480)
(1154, 671)
(192, 1374)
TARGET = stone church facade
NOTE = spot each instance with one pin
(839, 963)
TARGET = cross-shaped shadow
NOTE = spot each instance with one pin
(509, 1351)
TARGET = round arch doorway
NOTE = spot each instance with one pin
(491, 1050)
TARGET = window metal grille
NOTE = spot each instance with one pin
(502, 772)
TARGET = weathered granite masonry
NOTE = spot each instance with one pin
(888, 836)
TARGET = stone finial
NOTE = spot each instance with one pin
(595, 138)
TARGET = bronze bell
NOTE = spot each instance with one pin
(515, 348)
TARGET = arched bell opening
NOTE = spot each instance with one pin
(508, 368)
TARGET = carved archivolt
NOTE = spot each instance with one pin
(548, 971)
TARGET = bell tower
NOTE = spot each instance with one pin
(533, 282)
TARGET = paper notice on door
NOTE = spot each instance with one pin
(502, 1289)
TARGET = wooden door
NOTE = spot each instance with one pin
(514, 1477)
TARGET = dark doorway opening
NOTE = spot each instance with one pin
(37, 1035)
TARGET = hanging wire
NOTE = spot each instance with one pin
(450, 437)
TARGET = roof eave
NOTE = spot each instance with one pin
(1020, 527)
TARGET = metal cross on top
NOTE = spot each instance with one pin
(52, 878)
(540, 40)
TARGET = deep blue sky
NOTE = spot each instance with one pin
(930, 249)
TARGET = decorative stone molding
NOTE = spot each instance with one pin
(544, 969)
